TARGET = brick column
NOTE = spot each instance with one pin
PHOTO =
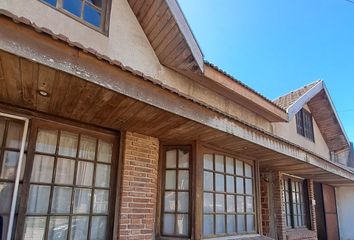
(312, 207)
(265, 208)
(279, 207)
(139, 187)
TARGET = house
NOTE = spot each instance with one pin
(113, 126)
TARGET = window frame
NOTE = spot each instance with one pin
(304, 124)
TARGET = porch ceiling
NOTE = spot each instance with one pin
(80, 100)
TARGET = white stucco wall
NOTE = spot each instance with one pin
(345, 208)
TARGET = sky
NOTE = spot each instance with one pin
(278, 46)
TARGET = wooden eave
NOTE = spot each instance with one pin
(169, 34)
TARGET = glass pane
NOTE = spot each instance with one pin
(208, 225)
(208, 161)
(170, 201)
(23, 166)
(170, 179)
(219, 163)
(183, 180)
(239, 185)
(208, 181)
(241, 223)
(230, 184)
(182, 224)
(208, 203)
(73, 6)
(79, 227)
(9, 166)
(51, 2)
(58, 228)
(38, 199)
(61, 200)
(68, 142)
(231, 224)
(230, 165)
(249, 204)
(103, 174)
(168, 224)
(240, 204)
(219, 183)
(42, 169)
(2, 130)
(14, 135)
(239, 168)
(4, 227)
(249, 186)
(82, 200)
(250, 223)
(99, 228)
(65, 171)
(183, 159)
(84, 173)
(220, 224)
(104, 152)
(34, 228)
(46, 141)
(92, 15)
(171, 159)
(100, 203)
(87, 147)
(220, 202)
(248, 170)
(230, 199)
(6, 191)
(183, 199)
(97, 3)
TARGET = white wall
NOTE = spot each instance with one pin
(345, 208)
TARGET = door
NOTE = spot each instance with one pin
(330, 208)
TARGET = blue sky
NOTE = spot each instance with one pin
(278, 46)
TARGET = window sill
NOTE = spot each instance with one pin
(245, 237)
(300, 233)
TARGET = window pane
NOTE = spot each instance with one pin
(248, 170)
(219, 163)
(87, 147)
(219, 183)
(38, 199)
(230, 165)
(84, 173)
(230, 199)
(208, 161)
(220, 202)
(170, 179)
(208, 225)
(240, 204)
(183, 157)
(92, 15)
(6, 191)
(249, 204)
(42, 169)
(183, 201)
(208, 202)
(239, 185)
(250, 223)
(208, 181)
(183, 180)
(171, 159)
(34, 228)
(239, 168)
(14, 135)
(73, 6)
(65, 171)
(230, 184)
(97, 3)
(241, 223)
(220, 224)
(79, 227)
(168, 224)
(2, 130)
(231, 224)
(9, 166)
(82, 200)
(51, 2)
(99, 228)
(58, 227)
(68, 143)
(182, 224)
(170, 201)
(103, 173)
(61, 200)
(100, 203)
(104, 152)
(46, 141)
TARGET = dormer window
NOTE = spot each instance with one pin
(304, 124)
(91, 12)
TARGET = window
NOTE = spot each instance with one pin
(294, 202)
(304, 124)
(176, 193)
(228, 204)
(92, 12)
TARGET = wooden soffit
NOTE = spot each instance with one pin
(169, 34)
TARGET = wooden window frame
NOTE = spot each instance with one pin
(304, 124)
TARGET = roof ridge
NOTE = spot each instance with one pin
(300, 88)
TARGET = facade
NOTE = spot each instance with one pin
(112, 126)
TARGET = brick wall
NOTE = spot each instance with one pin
(139, 187)
(265, 208)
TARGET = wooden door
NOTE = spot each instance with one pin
(330, 212)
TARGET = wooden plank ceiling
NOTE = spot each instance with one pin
(169, 34)
(73, 98)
